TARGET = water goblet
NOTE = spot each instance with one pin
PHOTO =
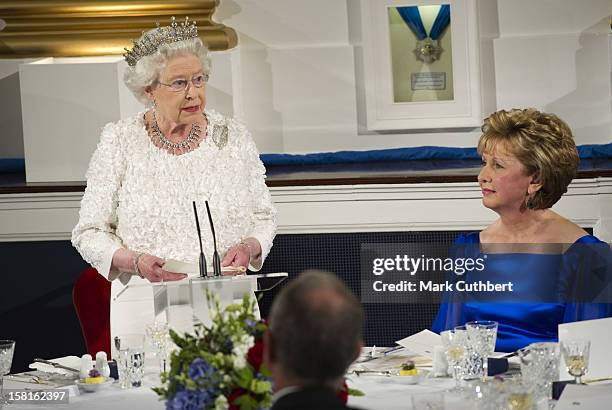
(159, 335)
(471, 366)
(482, 335)
(7, 348)
(540, 367)
(576, 356)
(455, 345)
(129, 353)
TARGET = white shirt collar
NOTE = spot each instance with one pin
(285, 391)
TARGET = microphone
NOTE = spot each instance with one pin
(216, 259)
(203, 272)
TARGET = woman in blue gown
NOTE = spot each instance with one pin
(559, 272)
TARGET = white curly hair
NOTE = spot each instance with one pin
(147, 70)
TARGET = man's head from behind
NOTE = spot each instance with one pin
(314, 331)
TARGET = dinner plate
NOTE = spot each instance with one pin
(394, 377)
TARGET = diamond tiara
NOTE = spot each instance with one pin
(150, 42)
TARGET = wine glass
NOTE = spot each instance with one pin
(159, 335)
(455, 344)
(482, 335)
(576, 356)
(7, 348)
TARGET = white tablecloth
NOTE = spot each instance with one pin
(112, 397)
(381, 393)
(384, 393)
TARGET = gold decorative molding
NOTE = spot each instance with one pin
(55, 28)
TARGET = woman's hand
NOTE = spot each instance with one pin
(237, 255)
(248, 251)
(144, 265)
(150, 268)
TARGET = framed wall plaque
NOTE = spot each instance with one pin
(422, 66)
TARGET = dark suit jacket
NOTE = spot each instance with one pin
(311, 398)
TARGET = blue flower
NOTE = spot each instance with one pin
(200, 368)
(250, 323)
(191, 400)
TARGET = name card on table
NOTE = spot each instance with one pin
(599, 332)
(578, 397)
(421, 343)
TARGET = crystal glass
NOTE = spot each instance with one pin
(428, 401)
(159, 336)
(455, 345)
(471, 367)
(540, 367)
(130, 355)
(482, 335)
(7, 348)
(576, 356)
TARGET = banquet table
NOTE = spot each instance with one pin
(380, 394)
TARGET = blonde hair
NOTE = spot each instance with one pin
(147, 70)
(542, 142)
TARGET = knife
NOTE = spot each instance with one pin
(57, 365)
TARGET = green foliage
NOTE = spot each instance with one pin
(224, 346)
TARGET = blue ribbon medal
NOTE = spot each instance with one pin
(428, 47)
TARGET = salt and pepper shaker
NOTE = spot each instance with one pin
(102, 364)
(86, 365)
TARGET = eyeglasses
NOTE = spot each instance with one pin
(181, 84)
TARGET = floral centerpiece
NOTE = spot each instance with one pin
(219, 367)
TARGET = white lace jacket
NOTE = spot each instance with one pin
(140, 197)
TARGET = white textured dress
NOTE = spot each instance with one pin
(139, 196)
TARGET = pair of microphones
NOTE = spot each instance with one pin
(216, 260)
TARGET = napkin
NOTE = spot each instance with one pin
(69, 361)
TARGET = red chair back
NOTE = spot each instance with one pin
(91, 298)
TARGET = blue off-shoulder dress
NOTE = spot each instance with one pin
(548, 289)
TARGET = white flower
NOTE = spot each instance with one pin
(240, 361)
(221, 403)
(242, 344)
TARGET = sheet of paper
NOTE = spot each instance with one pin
(599, 332)
(173, 265)
(581, 397)
(421, 343)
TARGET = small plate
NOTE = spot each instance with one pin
(417, 378)
(91, 388)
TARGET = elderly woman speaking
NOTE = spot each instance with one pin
(147, 170)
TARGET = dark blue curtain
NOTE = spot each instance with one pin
(412, 17)
(442, 21)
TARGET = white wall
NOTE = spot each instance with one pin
(296, 77)
(11, 131)
(555, 57)
(300, 71)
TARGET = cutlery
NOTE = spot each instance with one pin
(56, 365)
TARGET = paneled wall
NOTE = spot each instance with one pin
(296, 76)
